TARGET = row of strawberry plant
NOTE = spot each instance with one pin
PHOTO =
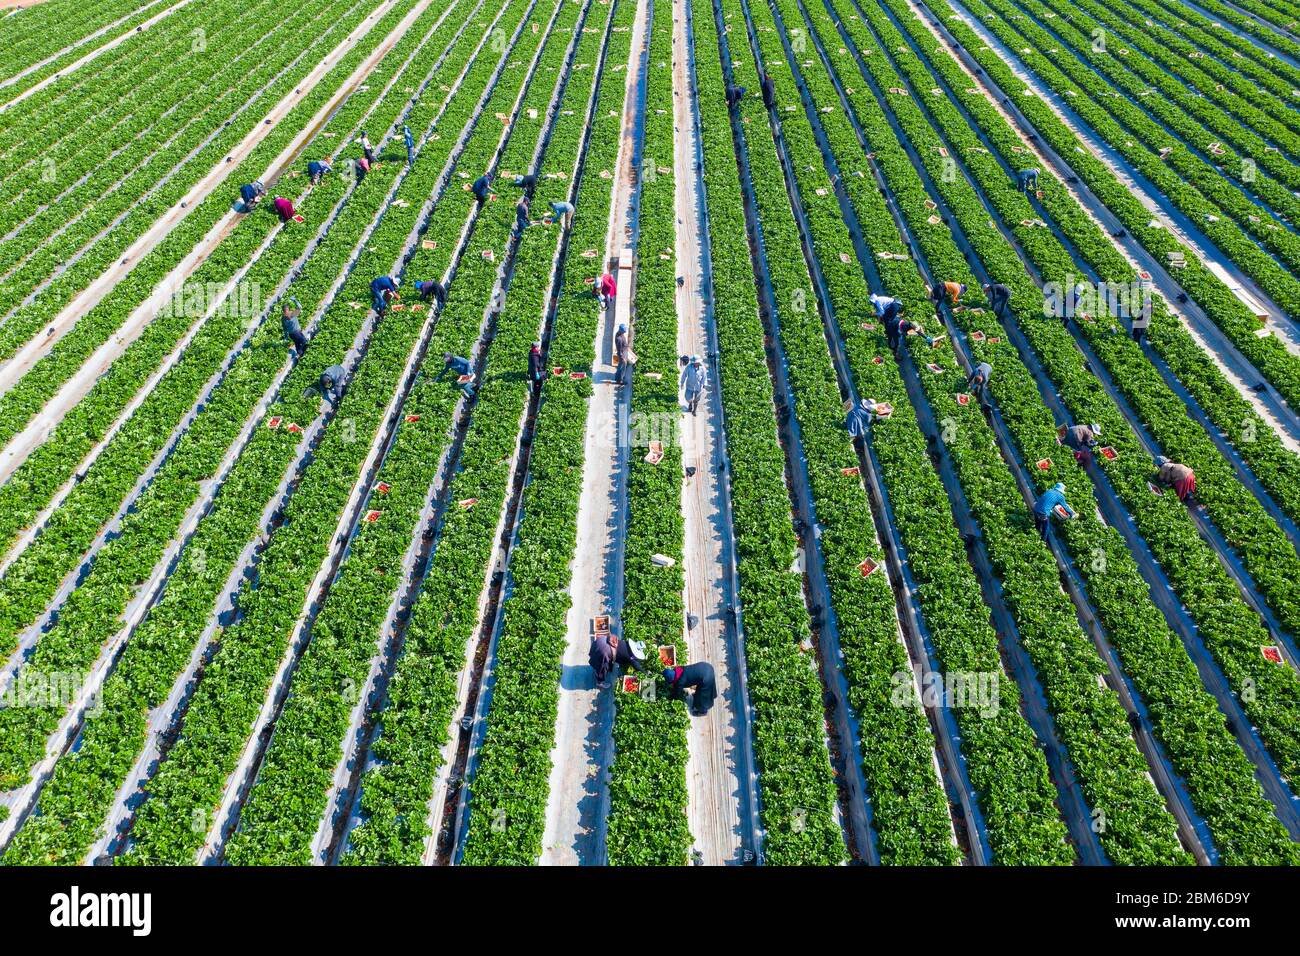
(1247, 527)
(1218, 776)
(46, 471)
(47, 284)
(1246, 56)
(195, 773)
(157, 339)
(34, 576)
(1266, 115)
(1230, 630)
(75, 801)
(910, 814)
(954, 612)
(1275, 466)
(1218, 209)
(151, 93)
(1283, 24)
(1262, 546)
(1190, 117)
(46, 34)
(1240, 84)
(49, 229)
(1269, 355)
(124, 56)
(1005, 762)
(1089, 719)
(91, 614)
(510, 781)
(647, 785)
(284, 807)
(397, 790)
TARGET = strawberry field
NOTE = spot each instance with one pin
(647, 536)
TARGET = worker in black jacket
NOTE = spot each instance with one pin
(698, 677)
(769, 91)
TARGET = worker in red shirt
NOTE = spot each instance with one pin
(284, 209)
(1179, 477)
(606, 289)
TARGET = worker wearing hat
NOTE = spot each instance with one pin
(692, 382)
(630, 654)
(860, 417)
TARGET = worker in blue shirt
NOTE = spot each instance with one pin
(1046, 503)
(289, 323)
(482, 188)
(1028, 180)
(410, 145)
(563, 213)
(328, 385)
(522, 220)
(431, 290)
(884, 303)
(251, 194)
(979, 379)
(692, 383)
(860, 417)
(383, 290)
(316, 169)
(458, 366)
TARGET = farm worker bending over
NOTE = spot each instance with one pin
(999, 296)
(622, 351)
(860, 417)
(431, 290)
(284, 209)
(526, 181)
(601, 657)
(383, 290)
(697, 676)
(884, 304)
(410, 145)
(1179, 477)
(522, 221)
(954, 291)
(735, 94)
(629, 654)
(1028, 179)
(896, 327)
(563, 213)
(366, 148)
(606, 289)
(458, 366)
(251, 194)
(769, 91)
(482, 188)
(289, 323)
(979, 379)
(316, 169)
(362, 167)
(328, 385)
(536, 373)
(1082, 438)
(691, 384)
(1047, 501)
